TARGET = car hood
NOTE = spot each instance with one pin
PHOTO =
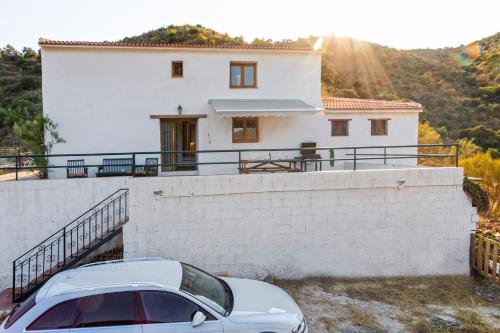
(261, 301)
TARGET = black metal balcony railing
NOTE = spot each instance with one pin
(67, 246)
(354, 154)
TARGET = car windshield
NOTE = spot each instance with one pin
(209, 289)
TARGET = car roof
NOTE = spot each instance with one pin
(153, 271)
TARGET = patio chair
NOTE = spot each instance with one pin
(76, 169)
(150, 168)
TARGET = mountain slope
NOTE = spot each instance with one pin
(20, 85)
(459, 87)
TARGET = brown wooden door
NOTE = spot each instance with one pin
(168, 143)
(178, 135)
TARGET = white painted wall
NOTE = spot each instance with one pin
(339, 223)
(102, 99)
(289, 132)
(32, 210)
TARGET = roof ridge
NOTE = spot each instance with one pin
(346, 103)
(50, 42)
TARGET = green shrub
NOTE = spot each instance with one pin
(477, 194)
(29, 82)
(489, 91)
(349, 93)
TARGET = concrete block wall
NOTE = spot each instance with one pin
(31, 211)
(340, 223)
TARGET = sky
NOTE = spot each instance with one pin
(401, 24)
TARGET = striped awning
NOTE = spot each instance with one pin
(262, 107)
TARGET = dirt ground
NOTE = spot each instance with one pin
(24, 174)
(421, 304)
(417, 304)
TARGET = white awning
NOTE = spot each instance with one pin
(262, 107)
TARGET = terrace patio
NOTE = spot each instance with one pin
(306, 158)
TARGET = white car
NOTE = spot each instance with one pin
(154, 296)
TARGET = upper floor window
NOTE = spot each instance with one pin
(245, 130)
(177, 69)
(379, 126)
(243, 74)
(340, 127)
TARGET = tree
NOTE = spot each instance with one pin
(9, 52)
(428, 135)
(468, 148)
(488, 169)
(349, 93)
(262, 42)
(29, 53)
(483, 136)
(388, 96)
(201, 37)
(35, 134)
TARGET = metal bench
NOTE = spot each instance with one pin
(115, 167)
(76, 169)
(150, 168)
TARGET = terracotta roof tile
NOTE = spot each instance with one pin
(355, 104)
(49, 42)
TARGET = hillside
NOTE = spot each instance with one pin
(20, 86)
(459, 87)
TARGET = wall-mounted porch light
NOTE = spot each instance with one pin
(179, 109)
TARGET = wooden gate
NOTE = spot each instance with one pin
(485, 257)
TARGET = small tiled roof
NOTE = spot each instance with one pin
(49, 42)
(356, 104)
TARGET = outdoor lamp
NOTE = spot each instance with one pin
(179, 109)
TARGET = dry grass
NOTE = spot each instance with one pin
(474, 323)
(416, 291)
(471, 323)
(363, 318)
(424, 326)
(328, 324)
(418, 299)
(405, 292)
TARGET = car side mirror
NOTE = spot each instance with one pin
(198, 318)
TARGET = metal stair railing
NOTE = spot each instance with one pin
(70, 244)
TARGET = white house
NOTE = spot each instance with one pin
(109, 97)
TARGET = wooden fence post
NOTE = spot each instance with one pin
(494, 275)
(483, 252)
(479, 254)
(486, 259)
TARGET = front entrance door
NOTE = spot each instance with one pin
(179, 135)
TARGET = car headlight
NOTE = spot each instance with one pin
(301, 328)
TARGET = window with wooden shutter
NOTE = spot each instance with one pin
(379, 126)
(245, 130)
(340, 127)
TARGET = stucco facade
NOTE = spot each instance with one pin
(343, 223)
(102, 99)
